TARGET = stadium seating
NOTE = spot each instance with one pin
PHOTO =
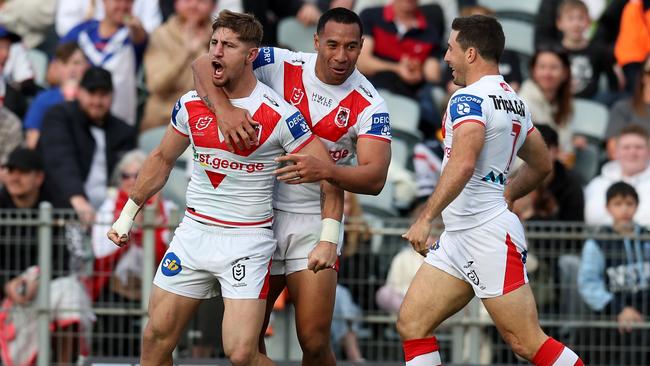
(149, 139)
(295, 36)
(590, 119)
(520, 37)
(380, 205)
(404, 116)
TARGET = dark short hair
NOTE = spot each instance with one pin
(622, 189)
(248, 28)
(549, 135)
(481, 32)
(65, 50)
(635, 129)
(339, 15)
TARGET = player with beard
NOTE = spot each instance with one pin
(226, 232)
(351, 118)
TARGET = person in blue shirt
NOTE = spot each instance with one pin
(68, 65)
(614, 278)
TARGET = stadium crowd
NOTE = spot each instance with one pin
(85, 85)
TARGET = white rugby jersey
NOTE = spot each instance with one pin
(235, 189)
(492, 103)
(338, 114)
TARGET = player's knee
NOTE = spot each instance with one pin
(242, 354)
(519, 345)
(315, 344)
(409, 328)
(155, 337)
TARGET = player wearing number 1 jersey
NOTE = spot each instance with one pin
(351, 119)
(482, 251)
(226, 232)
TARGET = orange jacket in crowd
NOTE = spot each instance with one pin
(633, 42)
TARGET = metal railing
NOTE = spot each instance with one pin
(469, 337)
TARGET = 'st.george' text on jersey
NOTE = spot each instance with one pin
(235, 189)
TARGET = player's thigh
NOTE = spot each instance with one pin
(242, 322)
(169, 312)
(515, 315)
(313, 296)
(434, 295)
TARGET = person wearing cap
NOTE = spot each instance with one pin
(16, 71)
(81, 142)
(19, 260)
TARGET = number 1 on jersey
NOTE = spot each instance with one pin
(516, 130)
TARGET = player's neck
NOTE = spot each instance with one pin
(477, 73)
(242, 87)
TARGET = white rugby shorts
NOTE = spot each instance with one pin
(296, 234)
(199, 254)
(490, 257)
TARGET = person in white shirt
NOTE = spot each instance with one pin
(483, 249)
(226, 233)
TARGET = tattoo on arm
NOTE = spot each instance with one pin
(322, 201)
(207, 102)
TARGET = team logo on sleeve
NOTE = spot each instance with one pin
(177, 107)
(296, 96)
(297, 125)
(342, 116)
(380, 124)
(171, 265)
(264, 57)
(464, 105)
(203, 123)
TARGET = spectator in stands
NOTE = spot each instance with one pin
(11, 136)
(16, 71)
(589, 60)
(613, 278)
(633, 42)
(81, 142)
(70, 65)
(172, 48)
(548, 95)
(31, 19)
(116, 43)
(560, 196)
(122, 265)
(69, 13)
(632, 165)
(19, 283)
(402, 51)
(546, 27)
(402, 269)
(631, 111)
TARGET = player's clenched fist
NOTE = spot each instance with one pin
(418, 235)
(119, 232)
(323, 256)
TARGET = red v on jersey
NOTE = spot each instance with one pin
(335, 124)
(215, 178)
(205, 133)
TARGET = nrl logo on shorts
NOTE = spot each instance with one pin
(203, 123)
(238, 271)
(473, 277)
(342, 116)
(296, 96)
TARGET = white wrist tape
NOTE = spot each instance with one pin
(330, 231)
(123, 223)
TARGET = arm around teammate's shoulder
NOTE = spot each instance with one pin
(537, 165)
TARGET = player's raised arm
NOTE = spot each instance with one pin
(537, 166)
(151, 179)
(468, 142)
(236, 124)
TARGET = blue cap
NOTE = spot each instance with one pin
(5, 33)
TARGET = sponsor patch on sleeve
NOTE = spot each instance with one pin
(177, 107)
(463, 105)
(297, 125)
(264, 57)
(380, 125)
